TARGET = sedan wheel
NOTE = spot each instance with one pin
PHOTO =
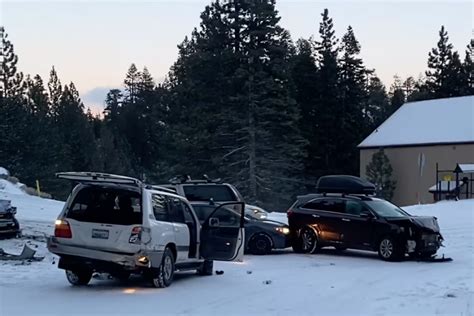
(260, 245)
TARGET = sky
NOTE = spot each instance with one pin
(93, 43)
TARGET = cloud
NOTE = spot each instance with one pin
(95, 99)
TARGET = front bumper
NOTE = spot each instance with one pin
(9, 227)
(92, 257)
(281, 241)
(426, 243)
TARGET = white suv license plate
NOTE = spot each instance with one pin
(100, 233)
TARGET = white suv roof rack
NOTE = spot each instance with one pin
(97, 177)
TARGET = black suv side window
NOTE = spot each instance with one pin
(356, 208)
(328, 205)
(316, 205)
(353, 208)
(160, 208)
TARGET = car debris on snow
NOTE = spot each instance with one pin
(26, 254)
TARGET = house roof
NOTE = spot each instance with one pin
(440, 121)
(464, 168)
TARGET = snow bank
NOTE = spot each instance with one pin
(4, 172)
(8, 187)
(31, 208)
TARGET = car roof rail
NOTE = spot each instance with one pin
(98, 177)
(181, 179)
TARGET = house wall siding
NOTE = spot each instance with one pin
(412, 188)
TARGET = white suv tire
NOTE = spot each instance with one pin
(163, 276)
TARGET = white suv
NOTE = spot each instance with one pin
(119, 225)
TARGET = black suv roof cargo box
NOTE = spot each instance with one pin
(344, 184)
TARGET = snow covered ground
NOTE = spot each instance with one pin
(284, 283)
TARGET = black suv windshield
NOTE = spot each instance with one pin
(203, 192)
(386, 209)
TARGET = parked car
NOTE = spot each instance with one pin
(255, 212)
(261, 236)
(9, 226)
(119, 225)
(345, 214)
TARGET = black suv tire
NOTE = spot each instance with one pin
(308, 240)
(389, 249)
(163, 276)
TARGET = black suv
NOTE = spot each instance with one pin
(345, 214)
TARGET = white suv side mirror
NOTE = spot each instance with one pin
(214, 222)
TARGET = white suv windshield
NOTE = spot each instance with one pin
(386, 209)
(203, 192)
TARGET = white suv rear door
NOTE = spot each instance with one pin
(103, 217)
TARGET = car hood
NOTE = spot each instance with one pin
(429, 223)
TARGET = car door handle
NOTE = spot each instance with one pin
(314, 215)
(346, 220)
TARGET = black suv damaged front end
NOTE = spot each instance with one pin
(421, 234)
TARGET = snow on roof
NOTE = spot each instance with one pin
(465, 167)
(445, 186)
(449, 120)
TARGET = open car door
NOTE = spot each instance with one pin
(223, 234)
(97, 177)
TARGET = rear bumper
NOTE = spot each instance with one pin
(94, 257)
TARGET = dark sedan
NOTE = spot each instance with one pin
(261, 235)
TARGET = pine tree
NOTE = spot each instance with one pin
(376, 109)
(10, 79)
(113, 102)
(131, 83)
(409, 86)
(379, 172)
(304, 76)
(421, 90)
(37, 97)
(444, 77)
(146, 83)
(468, 69)
(55, 91)
(397, 96)
(352, 97)
(327, 88)
(232, 82)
